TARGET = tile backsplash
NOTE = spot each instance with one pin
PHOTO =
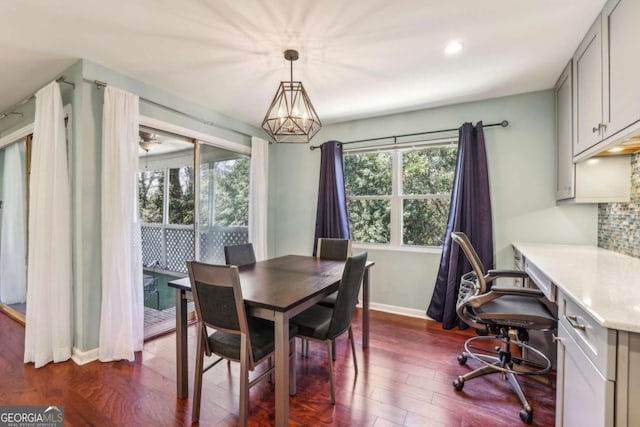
(619, 223)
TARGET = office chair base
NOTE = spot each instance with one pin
(503, 363)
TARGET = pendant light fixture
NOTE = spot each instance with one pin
(291, 116)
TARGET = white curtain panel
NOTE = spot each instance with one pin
(48, 331)
(258, 178)
(122, 315)
(13, 240)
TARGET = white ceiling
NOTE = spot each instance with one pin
(358, 58)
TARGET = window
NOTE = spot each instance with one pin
(400, 197)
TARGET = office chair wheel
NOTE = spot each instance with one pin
(526, 416)
(462, 359)
(458, 385)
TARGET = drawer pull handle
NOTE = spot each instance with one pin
(573, 321)
(556, 338)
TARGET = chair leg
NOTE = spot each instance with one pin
(353, 349)
(244, 382)
(333, 393)
(197, 382)
(157, 300)
(333, 349)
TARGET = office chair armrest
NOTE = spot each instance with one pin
(497, 292)
(497, 274)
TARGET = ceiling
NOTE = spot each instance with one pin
(358, 58)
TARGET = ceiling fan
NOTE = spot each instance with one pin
(148, 141)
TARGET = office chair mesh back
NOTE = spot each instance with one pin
(472, 256)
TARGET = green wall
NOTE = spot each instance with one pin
(522, 178)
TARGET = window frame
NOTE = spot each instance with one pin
(398, 196)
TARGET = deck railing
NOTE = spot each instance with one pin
(173, 245)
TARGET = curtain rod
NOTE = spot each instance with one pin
(10, 111)
(101, 85)
(503, 124)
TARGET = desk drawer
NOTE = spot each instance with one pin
(596, 341)
(541, 281)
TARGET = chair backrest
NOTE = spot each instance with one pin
(337, 249)
(347, 294)
(217, 295)
(476, 264)
(239, 255)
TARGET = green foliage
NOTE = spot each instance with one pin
(150, 195)
(427, 173)
(224, 194)
(231, 179)
(368, 174)
(181, 195)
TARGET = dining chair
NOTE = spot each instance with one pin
(324, 324)
(239, 255)
(237, 337)
(331, 249)
(150, 283)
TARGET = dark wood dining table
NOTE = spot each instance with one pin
(276, 289)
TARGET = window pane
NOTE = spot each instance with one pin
(429, 170)
(181, 195)
(370, 220)
(368, 174)
(150, 195)
(424, 221)
(231, 183)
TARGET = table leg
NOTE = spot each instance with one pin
(182, 363)
(282, 368)
(365, 309)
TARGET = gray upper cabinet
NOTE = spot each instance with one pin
(565, 176)
(606, 87)
(588, 90)
(622, 65)
(598, 180)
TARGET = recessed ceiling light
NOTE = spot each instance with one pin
(453, 48)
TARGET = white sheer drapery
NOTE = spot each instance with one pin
(122, 315)
(258, 182)
(13, 240)
(48, 330)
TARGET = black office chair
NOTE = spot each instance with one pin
(324, 324)
(237, 337)
(239, 255)
(500, 312)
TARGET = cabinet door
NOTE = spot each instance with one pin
(565, 170)
(588, 90)
(622, 64)
(583, 396)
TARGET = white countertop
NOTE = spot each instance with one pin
(606, 284)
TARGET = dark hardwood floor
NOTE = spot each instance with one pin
(404, 380)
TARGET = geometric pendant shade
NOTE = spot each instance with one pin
(291, 117)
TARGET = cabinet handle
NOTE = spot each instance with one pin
(573, 321)
(601, 127)
(556, 338)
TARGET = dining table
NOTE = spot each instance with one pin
(276, 289)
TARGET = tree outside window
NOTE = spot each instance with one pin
(400, 197)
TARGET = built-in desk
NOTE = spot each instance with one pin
(598, 297)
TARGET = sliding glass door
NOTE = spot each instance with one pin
(223, 201)
(13, 226)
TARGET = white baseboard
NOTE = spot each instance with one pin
(84, 357)
(403, 311)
